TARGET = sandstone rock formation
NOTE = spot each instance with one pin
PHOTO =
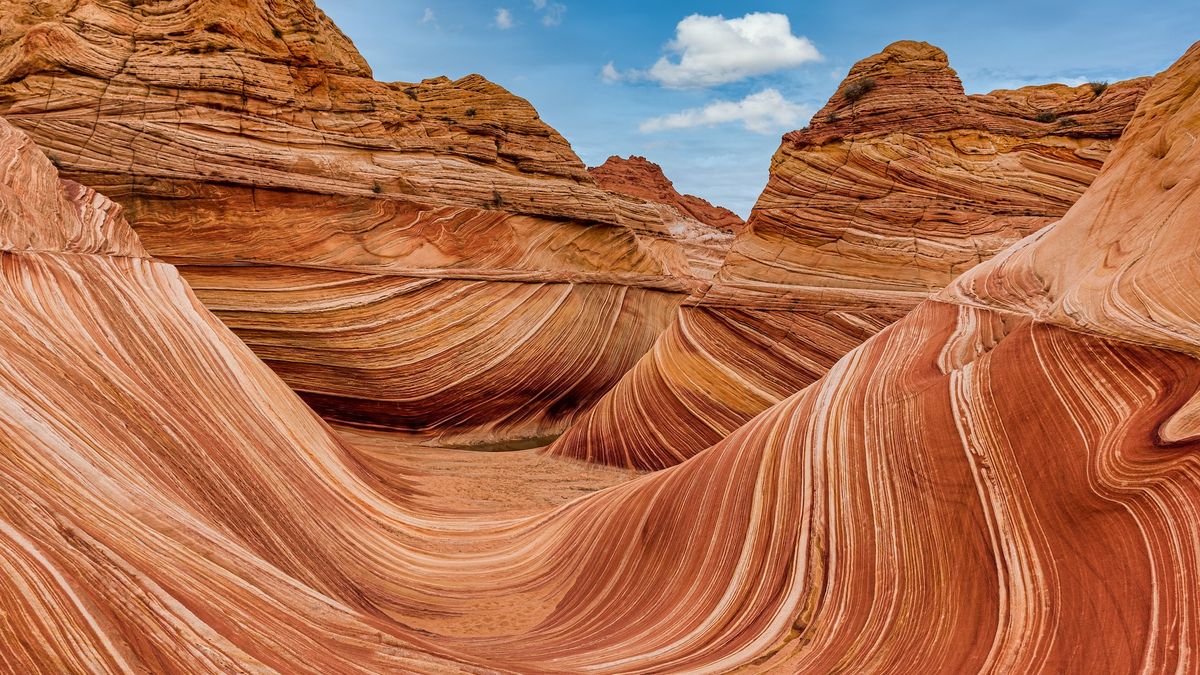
(900, 183)
(640, 178)
(129, 418)
(427, 256)
(1006, 480)
(700, 231)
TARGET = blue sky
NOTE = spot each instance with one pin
(708, 97)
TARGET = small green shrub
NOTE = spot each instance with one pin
(470, 112)
(376, 188)
(1098, 88)
(1045, 117)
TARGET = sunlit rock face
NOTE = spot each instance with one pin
(1005, 480)
(900, 183)
(145, 454)
(428, 256)
(699, 230)
(640, 178)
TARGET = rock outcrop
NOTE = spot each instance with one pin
(129, 418)
(900, 183)
(1006, 480)
(904, 184)
(640, 178)
(428, 256)
(700, 231)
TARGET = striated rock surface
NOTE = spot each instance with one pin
(421, 256)
(900, 183)
(906, 183)
(1006, 480)
(139, 439)
(640, 178)
(699, 231)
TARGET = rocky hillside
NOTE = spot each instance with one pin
(1006, 480)
(640, 178)
(130, 418)
(428, 257)
(901, 182)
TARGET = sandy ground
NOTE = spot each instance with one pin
(497, 485)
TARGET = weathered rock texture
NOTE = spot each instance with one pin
(640, 178)
(129, 419)
(899, 184)
(425, 256)
(1007, 480)
(701, 231)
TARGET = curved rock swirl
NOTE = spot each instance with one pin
(251, 148)
(887, 196)
(1006, 480)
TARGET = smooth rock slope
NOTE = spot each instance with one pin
(139, 439)
(900, 183)
(428, 257)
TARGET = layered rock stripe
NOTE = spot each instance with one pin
(339, 224)
(900, 183)
(1005, 480)
(703, 232)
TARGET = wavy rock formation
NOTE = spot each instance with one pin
(900, 183)
(427, 256)
(126, 410)
(1006, 480)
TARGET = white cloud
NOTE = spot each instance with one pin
(553, 14)
(429, 16)
(714, 50)
(504, 19)
(609, 74)
(764, 112)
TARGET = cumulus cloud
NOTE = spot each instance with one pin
(504, 19)
(714, 50)
(764, 112)
(429, 16)
(609, 74)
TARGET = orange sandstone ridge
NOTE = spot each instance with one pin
(135, 429)
(901, 182)
(1005, 480)
(702, 231)
(428, 257)
(903, 185)
(640, 178)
